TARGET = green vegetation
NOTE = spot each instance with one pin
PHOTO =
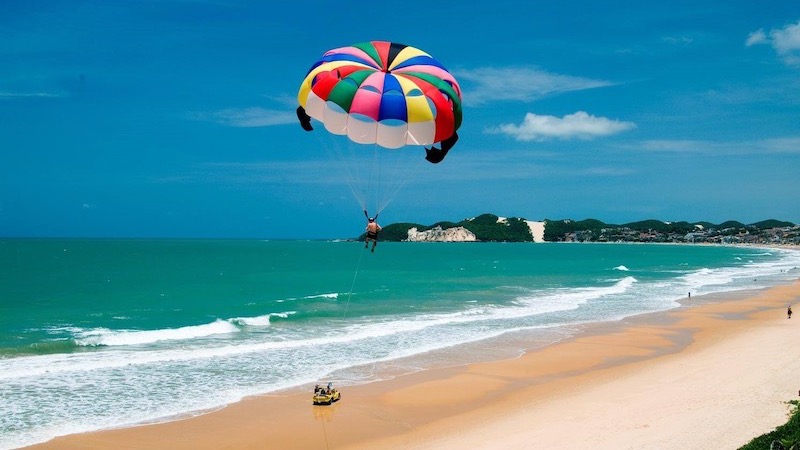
(662, 227)
(731, 224)
(787, 434)
(395, 232)
(487, 229)
(771, 223)
(591, 230)
(554, 230)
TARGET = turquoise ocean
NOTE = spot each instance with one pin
(100, 334)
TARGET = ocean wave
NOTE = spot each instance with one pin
(41, 348)
(525, 306)
(571, 298)
(107, 337)
(531, 304)
(260, 321)
(746, 276)
(332, 295)
(542, 303)
(60, 330)
(622, 268)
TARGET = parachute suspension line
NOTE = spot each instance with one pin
(355, 179)
(401, 181)
(335, 153)
(353, 284)
(373, 181)
(381, 181)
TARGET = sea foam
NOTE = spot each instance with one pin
(260, 321)
(107, 337)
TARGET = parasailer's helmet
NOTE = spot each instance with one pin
(372, 219)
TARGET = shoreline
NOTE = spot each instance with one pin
(499, 401)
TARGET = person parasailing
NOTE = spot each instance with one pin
(380, 95)
(372, 231)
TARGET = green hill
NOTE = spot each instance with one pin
(485, 227)
(488, 228)
(554, 230)
(771, 223)
(396, 231)
(730, 224)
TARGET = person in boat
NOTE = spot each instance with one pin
(372, 233)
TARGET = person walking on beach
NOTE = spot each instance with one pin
(372, 232)
(789, 312)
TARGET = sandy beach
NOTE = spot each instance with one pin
(711, 374)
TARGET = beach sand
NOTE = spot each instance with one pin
(711, 374)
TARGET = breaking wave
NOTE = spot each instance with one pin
(108, 337)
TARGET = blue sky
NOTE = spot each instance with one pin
(175, 118)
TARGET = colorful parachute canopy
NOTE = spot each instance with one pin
(383, 93)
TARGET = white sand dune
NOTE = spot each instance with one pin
(537, 230)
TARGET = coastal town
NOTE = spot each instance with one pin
(492, 228)
(741, 234)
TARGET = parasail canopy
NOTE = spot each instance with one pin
(383, 93)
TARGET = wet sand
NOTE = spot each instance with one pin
(706, 375)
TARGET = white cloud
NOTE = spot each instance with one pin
(676, 146)
(678, 40)
(313, 171)
(605, 171)
(756, 37)
(579, 125)
(519, 83)
(8, 95)
(790, 145)
(248, 117)
(781, 145)
(785, 41)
